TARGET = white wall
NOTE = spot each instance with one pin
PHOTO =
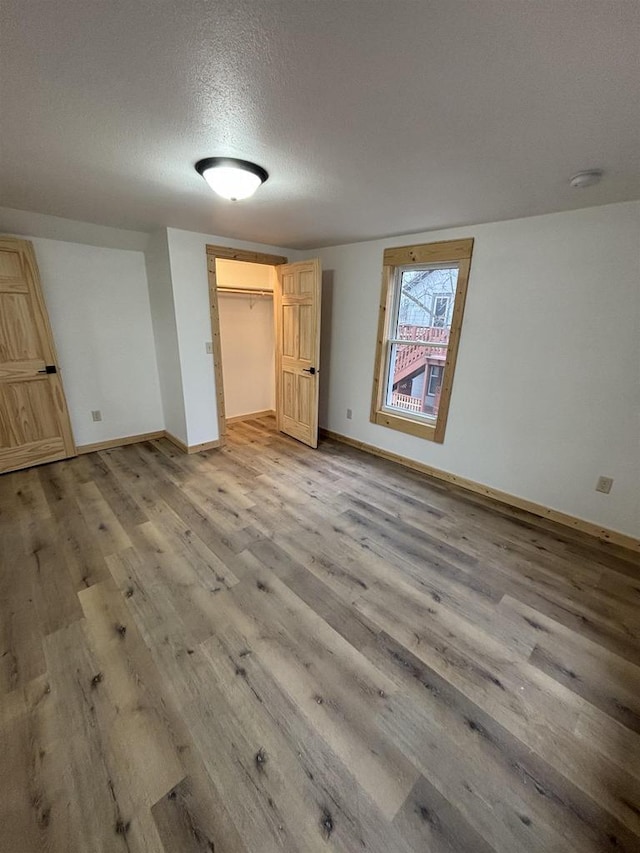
(547, 386)
(248, 354)
(95, 287)
(98, 305)
(165, 334)
(243, 274)
(187, 252)
(24, 223)
(247, 338)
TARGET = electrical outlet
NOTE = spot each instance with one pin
(96, 415)
(209, 347)
(349, 414)
(604, 485)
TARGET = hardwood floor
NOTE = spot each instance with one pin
(267, 648)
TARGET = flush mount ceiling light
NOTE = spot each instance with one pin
(586, 179)
(230, 178)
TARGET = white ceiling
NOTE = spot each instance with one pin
(373, 117)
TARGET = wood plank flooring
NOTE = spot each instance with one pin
(265, 647)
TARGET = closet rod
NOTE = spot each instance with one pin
(251, 291)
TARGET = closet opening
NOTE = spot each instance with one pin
(241, 292)
(247, 338)
(265, 325)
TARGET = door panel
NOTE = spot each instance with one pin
(17, 341)
(289, 331)
(297, 306)
(306, 334)
(307, 281)
(288, 281)
(305, 396)
(289, 409)
(32, 418)
(10, 269)
(34, 422)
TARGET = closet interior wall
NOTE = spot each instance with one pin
(247, 336)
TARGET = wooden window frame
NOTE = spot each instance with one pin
(227, 253)
(447, 251)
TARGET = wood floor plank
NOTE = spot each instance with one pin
(607, 681)
(335, 807)
(129, 513)
(238, 746)
(139, 736)
(80, 549)
(178, 569)
(53, 589)
(598, 732)
(575, 609)
(430, 822)
(21, 634)
(336, 612)
(100, 519)
(21, 492)
(163, 616)
(329, 679)
(205, 521)
(99, 746)
(268, 648)
(532, 796)
(31, 801)
(191, 818)
(93, 818)
(528, 703)
(185, 548)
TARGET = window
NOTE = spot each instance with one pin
(441, 311)
(424, 289)
(435, 380)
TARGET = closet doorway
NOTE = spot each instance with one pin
(265, 322)
(247, 338)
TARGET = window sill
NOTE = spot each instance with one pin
(412, 426)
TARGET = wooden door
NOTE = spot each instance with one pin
(297, 305)
(34, 422)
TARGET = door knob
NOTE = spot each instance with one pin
(310, 370)
(49, 368)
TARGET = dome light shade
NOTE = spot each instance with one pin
(586, 179)
(230, 178)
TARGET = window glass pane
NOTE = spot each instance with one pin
(424, 312)
(425, 304)
(415, 378)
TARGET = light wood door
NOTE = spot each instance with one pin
(34, 422)
(297, 305)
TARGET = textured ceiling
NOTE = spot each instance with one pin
(373, 117)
